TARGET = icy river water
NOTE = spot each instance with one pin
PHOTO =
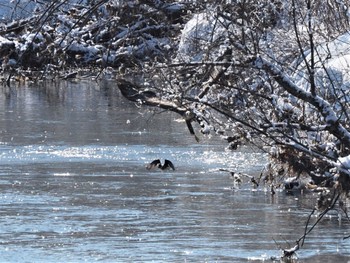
(74, 188)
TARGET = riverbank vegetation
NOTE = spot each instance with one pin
(269, 73)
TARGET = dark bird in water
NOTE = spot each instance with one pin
(156, 163)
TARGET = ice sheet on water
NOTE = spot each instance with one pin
(202, 157)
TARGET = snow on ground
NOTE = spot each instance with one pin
(345, 162)
(201, 32)
(332, 66)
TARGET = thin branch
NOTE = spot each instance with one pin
(312, 49)
(307, 224)
(323, 107)
(335, 199)
(296, 31)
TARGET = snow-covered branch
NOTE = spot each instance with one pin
(324, 107)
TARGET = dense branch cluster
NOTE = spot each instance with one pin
(272, 74)
(266, 72)
(64, 34)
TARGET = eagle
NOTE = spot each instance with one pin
(157, 164)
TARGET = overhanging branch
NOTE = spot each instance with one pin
(325, 109)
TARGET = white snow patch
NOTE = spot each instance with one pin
(345, 161)
(332, 65)
(202, 31)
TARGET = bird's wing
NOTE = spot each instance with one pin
(153, 164)
(168, 164)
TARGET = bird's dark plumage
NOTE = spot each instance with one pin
(168, 165)
(156, 163)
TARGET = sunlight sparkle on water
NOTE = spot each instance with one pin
(62, 174)
(84, 193)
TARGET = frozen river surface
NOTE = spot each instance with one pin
(74, 188)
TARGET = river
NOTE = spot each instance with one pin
(74, 187)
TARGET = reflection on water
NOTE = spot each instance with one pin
(73, 187)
